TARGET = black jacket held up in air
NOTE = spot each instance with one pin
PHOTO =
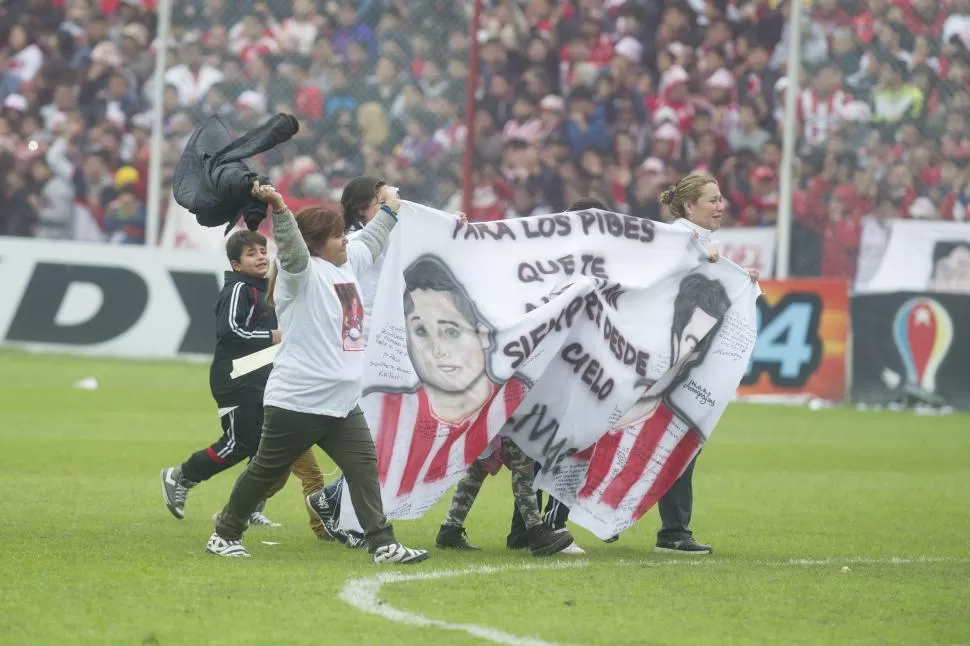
(211, 180)
(244, 324)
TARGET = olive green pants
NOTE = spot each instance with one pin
(308, 472)
(286, 436)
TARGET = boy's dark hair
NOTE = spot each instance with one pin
(240, 241)
(698, 292)
(430, 273)
(585, 203)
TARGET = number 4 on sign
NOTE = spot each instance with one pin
(789, 348)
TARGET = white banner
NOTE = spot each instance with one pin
(749, 247)
(550, 330)
(914, 256)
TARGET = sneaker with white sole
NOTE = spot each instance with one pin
(317, 503)
(546, 542)
(397, 553)
(684, 546)
(573, 549)
(221, 547)
(175, 489)
(259, 519)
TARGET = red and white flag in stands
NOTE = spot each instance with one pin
(550, 331)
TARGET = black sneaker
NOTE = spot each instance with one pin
(456, 538)
(684, 546)
(517, 541)
(546, 542)
(317, 503)
(175, 489)
(350, 538)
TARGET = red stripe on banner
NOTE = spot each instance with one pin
(515, 392)
(425, 429)
(586, 454)
(477, 438)
(512, 393)
(439, 464)
(599, 466)
(636, 464)
(675, 465)
(387, 433)
(215, 456)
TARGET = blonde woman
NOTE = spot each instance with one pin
(373, 124)
(697, 204)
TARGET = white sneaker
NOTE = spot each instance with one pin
(259, 519)
(175, 488)
(397, 553)
(573, 549)
(221, 547)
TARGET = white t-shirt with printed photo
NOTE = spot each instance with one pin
(321, 358)
(368, 285)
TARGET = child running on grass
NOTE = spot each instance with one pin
(246, 323)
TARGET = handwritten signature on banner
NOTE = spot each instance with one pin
(736, 337)
(703, 394)
(392, 341)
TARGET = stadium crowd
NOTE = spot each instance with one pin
(610, 99)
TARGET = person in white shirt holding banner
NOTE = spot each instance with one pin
(696, 203)
(359, 202)
(313, 390)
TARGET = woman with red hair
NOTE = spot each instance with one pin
(312, 392)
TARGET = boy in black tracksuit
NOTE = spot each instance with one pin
(246, 323)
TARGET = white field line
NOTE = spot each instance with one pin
(363, 593)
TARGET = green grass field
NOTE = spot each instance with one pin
(90, 555)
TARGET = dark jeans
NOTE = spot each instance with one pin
(286, 436)
(675, 509)
(676, 506)
(241, 427)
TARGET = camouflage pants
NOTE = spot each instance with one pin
(522, 468)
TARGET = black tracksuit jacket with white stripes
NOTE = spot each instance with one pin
(244, 324)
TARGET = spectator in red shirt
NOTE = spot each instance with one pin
(900, 188)
(762, 204)
(840, 244)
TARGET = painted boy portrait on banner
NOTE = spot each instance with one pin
(700, 305)
(458, 403)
